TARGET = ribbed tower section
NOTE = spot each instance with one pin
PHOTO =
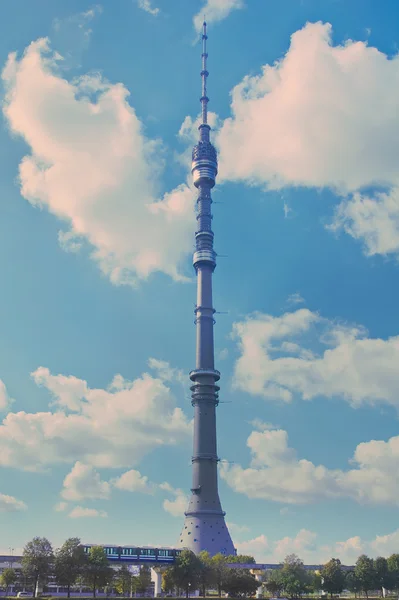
(204, 525)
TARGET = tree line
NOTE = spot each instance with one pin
(368, 575)
(70, 566)
(201, 572)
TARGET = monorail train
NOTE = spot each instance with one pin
(137, 554)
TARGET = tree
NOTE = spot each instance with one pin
(123, 580)
(393, 568)
(144, 579)
(206, 573)
(69, 563)
(7, 578)
(168, 581)
(364, 571)
(273, 582)
(239, 582)
(37, 561)
(220, 569)
(333, 577)
(316, 582)
(352, 582)
(294, 577)
(383, 578)
(96, 572)
(185, 573)
(243, 559)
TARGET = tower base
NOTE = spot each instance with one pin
(206, 531)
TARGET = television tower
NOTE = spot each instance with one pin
(204, 526)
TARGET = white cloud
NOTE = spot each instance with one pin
(276, 361)
(295, 298)
(11, 504)
(277, 474)
(308, 547)
(178, 505)
(134, 481)
(319, 109)
(67, 391)
(80, 512)
(322, 116)
(223, 354)
(103, 428)
(83, 482)
(262, 425)
(61, 506)
(215, 10)
(255, 547)
(92, 166)
(5, 399)
(373, 220)
(304, 541)
(147, 7)
(236, 529)
(164, 371)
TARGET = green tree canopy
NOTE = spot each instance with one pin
(393, 568)
(186, 571)
(316, 582)
(273, 582)
(69, 563)
(383, 577)
(239, 582)
(206, 573)
(352, 582)
(37, 561)
(365, 574)
(220, 569)
(240, 558)
(295, 579)
(333, 577)
(144, 579)
(7, 578)
(96, 572)
(123, 581)
(168, 580)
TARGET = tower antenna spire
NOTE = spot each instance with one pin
(204, 75)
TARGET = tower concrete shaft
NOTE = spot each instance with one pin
(204, 527)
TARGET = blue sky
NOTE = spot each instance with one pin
(100, 104)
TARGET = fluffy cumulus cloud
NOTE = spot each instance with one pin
(79, 512)
(276, 473)
(83, 482)
(134, 481)
(216, 10)
(373, 220)
(307, 545)
(11, 504)
(112, 427)
(323, 115)
(312, 118)
(92, 166)
(178, 504)
(302, 353)
(255, 547)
